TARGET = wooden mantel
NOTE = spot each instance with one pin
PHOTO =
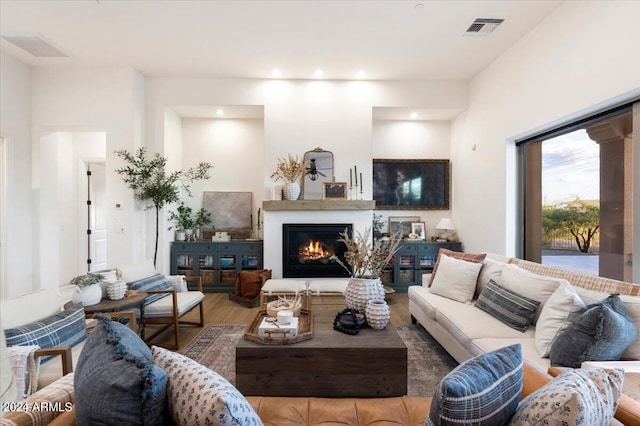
(300, 205)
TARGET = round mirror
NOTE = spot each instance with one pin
(320, 170)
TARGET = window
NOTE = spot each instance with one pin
(578, 195)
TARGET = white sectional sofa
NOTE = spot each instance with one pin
(466, 331)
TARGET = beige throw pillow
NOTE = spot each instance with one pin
(528, 284)
(456, 279)
(561, 308)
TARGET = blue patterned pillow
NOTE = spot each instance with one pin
(216, 401)
(601, 333)
(67, 328)
(115, 382)
(513, 309)
(484, 390)
(154, 282)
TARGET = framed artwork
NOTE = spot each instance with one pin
(400, 226)
(411, 184)
(334, 190)
(418, 228)
(230, 212)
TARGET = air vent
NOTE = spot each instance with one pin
(483, 26)
(37, 46)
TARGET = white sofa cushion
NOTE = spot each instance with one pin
(429, 302)
(466, 323)
(529, 351)
(284, 286)
(329, 286)
(561, 308)
(491, 270)
(456, 279)
(164, 307)
(528, 284)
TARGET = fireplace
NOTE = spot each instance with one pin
(308, 249)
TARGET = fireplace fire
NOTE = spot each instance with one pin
(314, 251)
(309, 250)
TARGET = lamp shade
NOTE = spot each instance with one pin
(446, 223)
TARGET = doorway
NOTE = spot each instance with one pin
(64, 245)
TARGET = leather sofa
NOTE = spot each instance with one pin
(376, 411)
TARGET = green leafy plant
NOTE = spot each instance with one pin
(183, 217)
(203, 217)
(86, 279)
(366, 260)
(150, 180)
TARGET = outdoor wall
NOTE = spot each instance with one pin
(15, 113)
(418, 140)
(582, 55)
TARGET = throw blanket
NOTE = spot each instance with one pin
(26, 368)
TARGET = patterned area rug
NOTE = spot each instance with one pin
(428, 362)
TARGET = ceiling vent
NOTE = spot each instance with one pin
(37, 46)
(483, 26)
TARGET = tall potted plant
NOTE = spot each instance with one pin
(150, 181)
(366, 262)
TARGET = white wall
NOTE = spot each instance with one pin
(413, 139)
(580, 56)
(15, 115)
(235, 148)
(300, 116)
(108, 100)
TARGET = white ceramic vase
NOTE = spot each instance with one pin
(361, 290)
(116, 290)
(291, 191)
(89, 295)
(377, 313)
(180, 235)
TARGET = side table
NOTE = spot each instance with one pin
(108, 305)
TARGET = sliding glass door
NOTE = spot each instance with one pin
(578, 195)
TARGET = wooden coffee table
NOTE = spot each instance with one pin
(332, 364)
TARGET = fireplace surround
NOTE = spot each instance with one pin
(308, 249)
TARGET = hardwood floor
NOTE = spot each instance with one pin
(218, 309)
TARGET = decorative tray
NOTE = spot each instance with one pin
(305, 330)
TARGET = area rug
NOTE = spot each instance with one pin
(427, 361)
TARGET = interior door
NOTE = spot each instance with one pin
(98, 223)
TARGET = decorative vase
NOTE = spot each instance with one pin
(361, 290)
(180, 235)
(377, 313)
(89, 295)
(116, 290)
(291, 191)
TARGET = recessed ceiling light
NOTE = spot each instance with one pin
(276, 73)
(319, 72)
(414, 115)
(220, 112)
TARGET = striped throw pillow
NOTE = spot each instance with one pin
(513, 309)
(154, 282)
(484, 390)
(66, 328)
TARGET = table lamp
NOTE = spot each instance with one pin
(446, 225)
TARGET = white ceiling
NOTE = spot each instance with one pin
(248, 39)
